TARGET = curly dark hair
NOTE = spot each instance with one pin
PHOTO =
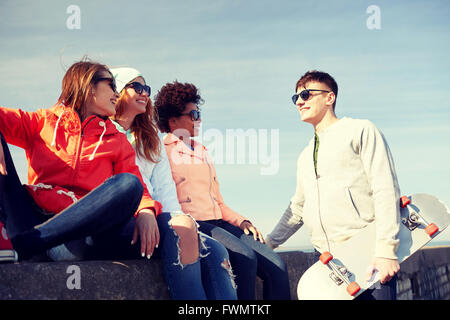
(171, 101)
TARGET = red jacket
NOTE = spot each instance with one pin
(67, 159)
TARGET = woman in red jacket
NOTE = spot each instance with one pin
(82, 177)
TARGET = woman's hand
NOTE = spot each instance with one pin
(2, 162)
(248, 228)
(147, 229)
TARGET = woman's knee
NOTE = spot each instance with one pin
(186, 229)
(129, 183)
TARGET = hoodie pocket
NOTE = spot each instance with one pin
(352, 202)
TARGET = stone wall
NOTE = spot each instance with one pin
(426, 275)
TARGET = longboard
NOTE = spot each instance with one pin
(341, 273)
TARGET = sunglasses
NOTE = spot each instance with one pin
(195, 115)
(304, 95)
(112, 82)
(138, 88)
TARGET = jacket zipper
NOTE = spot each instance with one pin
(320, 216)
(78, 154)
(317, 176)
(210, 186)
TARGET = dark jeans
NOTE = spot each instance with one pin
(387, 291)
(248, 259)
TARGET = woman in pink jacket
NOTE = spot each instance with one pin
(198, 193)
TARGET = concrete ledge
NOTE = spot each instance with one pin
(105, 280)
(426, 275)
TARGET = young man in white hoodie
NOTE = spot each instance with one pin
(345, 180)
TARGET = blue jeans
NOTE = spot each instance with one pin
(250, 258)
(387, 291)
(105, 217)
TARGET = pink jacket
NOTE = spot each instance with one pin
(196, 181)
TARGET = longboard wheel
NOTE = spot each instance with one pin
(326, 257)
(404, 201)
(353, 288)
(431, 229)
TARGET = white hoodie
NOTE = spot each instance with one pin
(157, 176)
(355, 185)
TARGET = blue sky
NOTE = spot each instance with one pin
(245, 56)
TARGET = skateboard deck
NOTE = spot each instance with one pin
(341, 273)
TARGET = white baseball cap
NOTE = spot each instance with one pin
(123, 76)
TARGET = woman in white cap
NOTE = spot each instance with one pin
(188, 256)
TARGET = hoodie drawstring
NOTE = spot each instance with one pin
(102, 124)
(56, 129)
(70, 194)
(41, 185)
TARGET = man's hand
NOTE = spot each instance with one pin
(249, 228)
(387, 269)
(147, 229)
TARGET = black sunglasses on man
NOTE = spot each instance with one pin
(305, 95)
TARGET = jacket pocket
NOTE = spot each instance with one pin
(186, 200)
(179, 180)
(352, 202)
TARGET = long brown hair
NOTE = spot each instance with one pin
(77, 83)
(144, 129)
